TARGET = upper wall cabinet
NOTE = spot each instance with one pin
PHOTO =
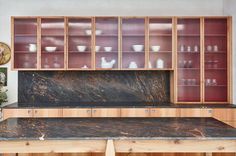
(133, 43)
(160, 43)
(53, 43)
(188, 60)
(216, 60)
(106, 43)
(24, 45)
(80, 49)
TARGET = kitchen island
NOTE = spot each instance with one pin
(111, 135)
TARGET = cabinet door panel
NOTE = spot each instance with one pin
(164, 112)
(25, 43)
(106, 112)
(47, 113)
(195, 112)
(9, 113)
(135, 112)
(215, 55)
(80, 43)
(78, 112)
(188, 60)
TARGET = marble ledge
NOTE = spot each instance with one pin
(114, 105)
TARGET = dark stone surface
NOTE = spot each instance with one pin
(93, 86)
(115, 105)
(115, 128)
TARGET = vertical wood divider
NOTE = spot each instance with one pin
(119, 43)
(202, 59)
(12, 42)
(66, 47)
(39, 47)
(110, 148)
(93, 20)
(175, 40)
(229, 60)
(147, 53)
(121, 37)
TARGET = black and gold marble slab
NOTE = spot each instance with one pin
(115, 128)
(93, 86)
(115, 105)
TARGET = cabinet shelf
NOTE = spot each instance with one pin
(215, 68)
(167, 52)
(24, 52)
(188, 52)
(25, 35)
(51, 53)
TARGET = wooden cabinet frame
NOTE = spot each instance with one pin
(173, 70)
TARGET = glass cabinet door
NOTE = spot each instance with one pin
(79, 43)
(25, 43)
(133, 43)
(106, 42)
(160, 43)
(188, 60)
(215, 56)
(52, 43)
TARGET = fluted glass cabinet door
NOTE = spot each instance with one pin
(52, 43)
(216, 88)
(80, 43)
(106, 42)
(25, 43)
(133, 43)
(188, 60)
(160, 43)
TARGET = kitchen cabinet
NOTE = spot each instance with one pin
(135, 112)
(204, 60)
(225, 114)
(188, 60)
(160, 43)
(47, 113)
(106, 112)
(216, 60)
(77, 112)
(195, 112)
(10, 113)
(164, 112)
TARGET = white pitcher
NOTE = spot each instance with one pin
(32, 47)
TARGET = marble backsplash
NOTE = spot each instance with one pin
(93, 86)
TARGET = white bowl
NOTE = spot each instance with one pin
(138, 47)
(88, 32)
(155, 48)
(97, 48)
(81, 48)
(50, 49)
(108, 49)
(98, 32)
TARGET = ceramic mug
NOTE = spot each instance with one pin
(133, 65)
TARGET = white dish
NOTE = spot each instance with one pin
(155, 48)
(98, 32)
(108, 49)
(138, 47)
(97, 48)
(88, 32)
(50, 49)
(81, 48)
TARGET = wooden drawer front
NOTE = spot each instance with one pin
(135, 112)
(10, 113)
(195, 112)
(80, 112)
(225, 114)
(106, 112)
(47, 113)
(164, 112)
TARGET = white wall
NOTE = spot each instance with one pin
(10, 8)
(230, 9)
